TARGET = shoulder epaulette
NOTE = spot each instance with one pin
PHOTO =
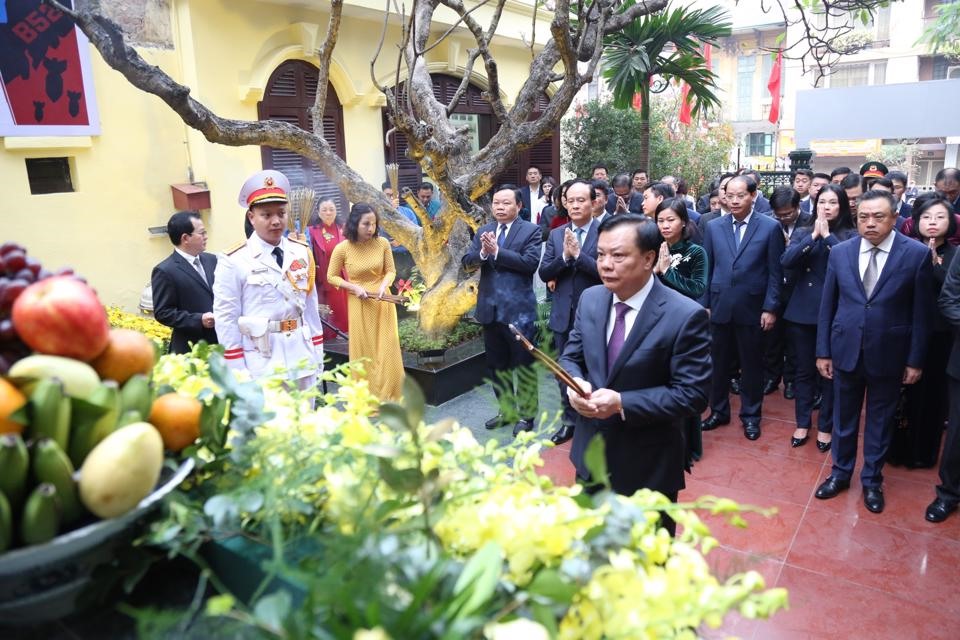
(232, 250)
(298, 241)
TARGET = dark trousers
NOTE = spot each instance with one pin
(746, 342)
(569, 415)
(882, 394)
(919, 444)
(779, 359)
(949, 488)
(803, 341)
(510, 367)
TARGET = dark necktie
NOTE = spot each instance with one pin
(502, 235)
(278, 254)
(737, 228)
(872, 273)
(617, 337)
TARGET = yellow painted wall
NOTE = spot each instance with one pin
(224, 50)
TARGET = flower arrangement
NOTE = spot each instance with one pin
(382, 526)
(120, 319)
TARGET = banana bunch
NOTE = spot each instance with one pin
(70, 411)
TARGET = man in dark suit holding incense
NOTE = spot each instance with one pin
(642, 352)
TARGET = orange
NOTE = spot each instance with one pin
(177, 418)
(128, 352)
(11, 399)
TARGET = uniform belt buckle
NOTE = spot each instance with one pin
(288, 325)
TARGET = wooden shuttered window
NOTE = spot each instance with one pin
(289, 96)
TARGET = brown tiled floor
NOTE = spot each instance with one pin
(850, 573)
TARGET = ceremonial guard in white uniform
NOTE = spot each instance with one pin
(264, 299)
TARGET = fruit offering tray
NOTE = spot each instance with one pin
(43, 582)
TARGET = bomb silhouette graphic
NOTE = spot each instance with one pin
(38, 110)
(55, 68)
(74, 106)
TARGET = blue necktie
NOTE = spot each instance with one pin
(502, 235)
(737, 228)
(579, 233)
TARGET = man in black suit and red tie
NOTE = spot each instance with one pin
(872, 336)
(642, 352)
(507, 251)
(182, 284)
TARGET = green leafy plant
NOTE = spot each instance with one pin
(413, 338)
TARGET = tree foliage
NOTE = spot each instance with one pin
(658, 48)
(600, 132)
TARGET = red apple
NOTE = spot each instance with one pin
(62, 316)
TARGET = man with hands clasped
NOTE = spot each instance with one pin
(570, 262)
(642, 353)
(507, 251)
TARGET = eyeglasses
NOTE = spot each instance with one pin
(202, 233)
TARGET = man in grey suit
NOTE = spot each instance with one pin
(642, 352)
(182, 284)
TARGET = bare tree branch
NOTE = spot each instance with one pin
(324, 55)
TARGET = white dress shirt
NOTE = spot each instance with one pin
(743, 229)
(635, 302)
(866, 245)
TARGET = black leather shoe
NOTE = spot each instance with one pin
(494, 423)
(522, 425)
(712, 422)
(751, 430)
(770, 386)
(799, 442)
(817, 401)
(823, 446)
(735, 386)
(831, 488)
(789, 392)
(873, 499)
(939, 510)
(564, 433)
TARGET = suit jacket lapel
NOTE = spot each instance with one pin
(590, 240)
(748, 233)
(191, 270)
(888, 268)
(208, 268)
(647, 317)
(853, 255)
(597, 340)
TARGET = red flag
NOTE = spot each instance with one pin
(637, 101)
(685, 105)
(685, 108)
(773, 84)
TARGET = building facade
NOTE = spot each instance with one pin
(99, 202)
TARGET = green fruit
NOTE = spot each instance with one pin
(121, 470)
(50, 412)
(136, 395)
(6, 524)
(14, 464)
(79, 378)
(129, 417)
(98, 419)
(51, 464)
(41, 515)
